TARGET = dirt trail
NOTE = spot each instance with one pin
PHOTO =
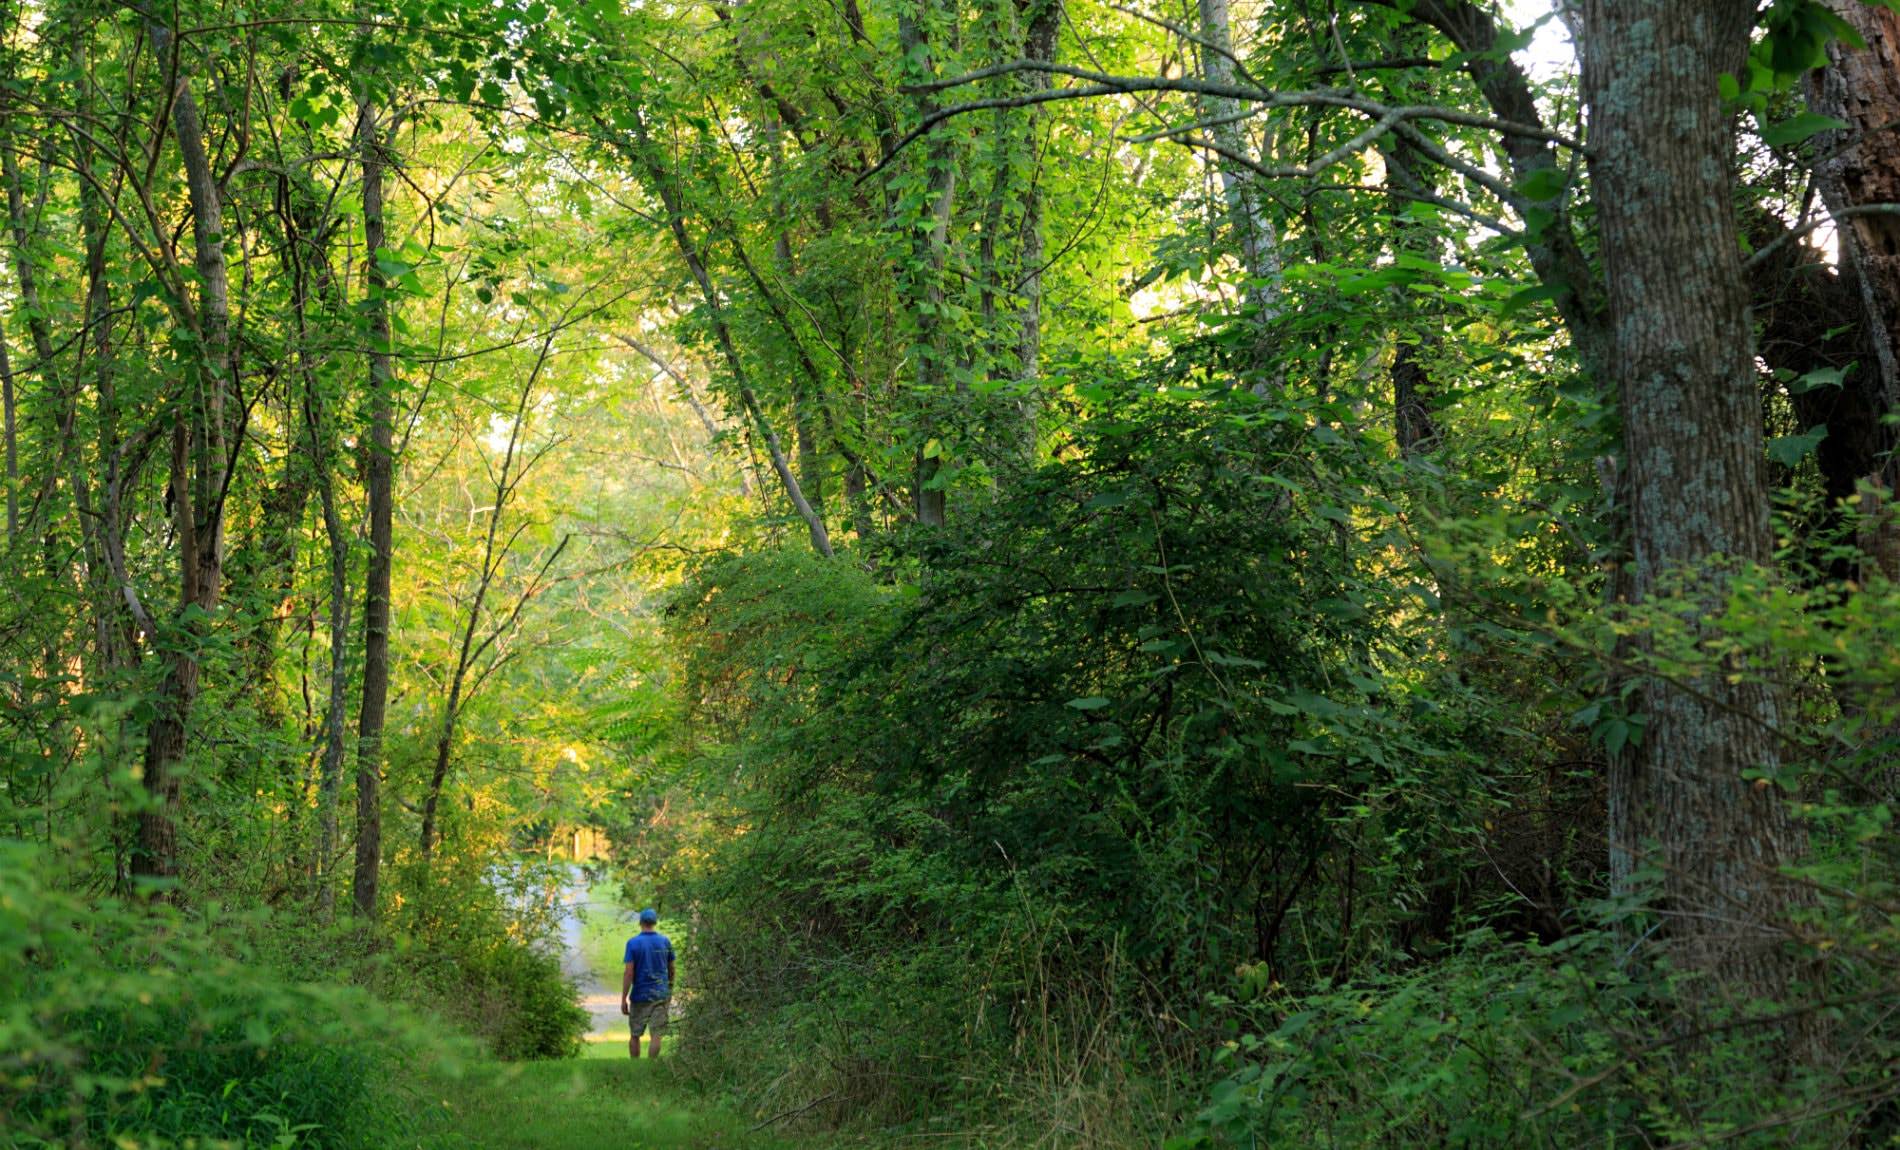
(596, 997)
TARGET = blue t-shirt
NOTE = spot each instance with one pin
(649, 952)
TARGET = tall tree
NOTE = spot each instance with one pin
(1859, 179)
(1234, 161)
(478, 643)
(920, 23)
(379, 482)
(201, 455)
(1662, 157)
(665, 188)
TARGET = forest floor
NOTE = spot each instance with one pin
(601, 1099)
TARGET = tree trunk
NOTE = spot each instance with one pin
(1860, 168)
(929, 251)
(1554, 252)
(330, 773)
(25, 268)
(380, 497)
(306, 229)
(1039, 43)
(114, 625)
(445, 745)
(1246, 213)
(1682, 806)
(199, 456)
(1412, 390)
(12, 447)
(495, 552)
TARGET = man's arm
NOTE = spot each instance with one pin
(626, 987)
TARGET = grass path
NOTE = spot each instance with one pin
(600, 1100)
(584, 1104)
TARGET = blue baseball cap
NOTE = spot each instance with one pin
(649, 916)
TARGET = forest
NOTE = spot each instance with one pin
(1175, 574)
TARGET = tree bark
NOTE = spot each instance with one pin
(1861, 167)
(379, 470)
(199, 457)
(1246, 212)
(929, 251)
(1682, 806)
(12, 446)
(307, 230)
(1412, 389)
(1040, 39)
(114, 626)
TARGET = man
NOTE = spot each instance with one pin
(646, 983)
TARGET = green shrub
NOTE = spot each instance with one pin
(1129, 714)
(1502, 1045)
(478, 945)
(139, 1026)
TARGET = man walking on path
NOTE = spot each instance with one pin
(647, 983)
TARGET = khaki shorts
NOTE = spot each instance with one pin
(647, 1017)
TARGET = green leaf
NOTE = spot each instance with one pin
(1092, 703)
(1546, 183)
(1820, 377)
(1789, 450)
(1799, 128)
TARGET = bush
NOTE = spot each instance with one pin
(1128, 703)
(1503, 1045)
(141, 1027)
(478, 945)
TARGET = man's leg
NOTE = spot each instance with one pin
(641, 1018)
(656, 1026)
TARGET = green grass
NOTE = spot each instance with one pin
(593, 1102)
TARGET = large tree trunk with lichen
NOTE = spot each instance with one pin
(1685, 807)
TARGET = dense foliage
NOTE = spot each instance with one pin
(1162, 575)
